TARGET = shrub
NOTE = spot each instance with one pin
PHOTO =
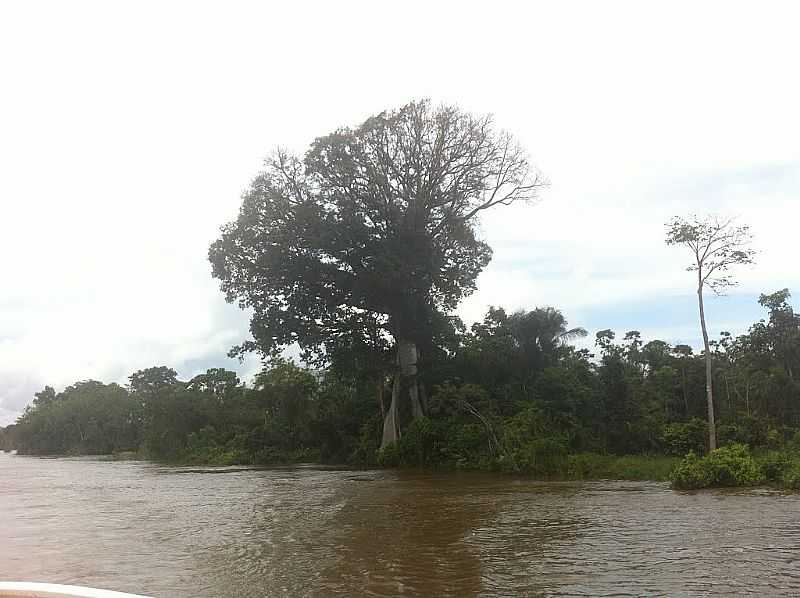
(366, 451)
(774, 466)
(734, 466)
(466, 445)
(691, 473)
(419, 444)
(791, 477)
(542, 456)
(389, 456)
(680, 438)
(752, 431)
(774, 439)
(531, 446)
(727, 466)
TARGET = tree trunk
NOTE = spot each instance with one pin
(712, 432)
(423, 395)
(407, 358)
(747, 397)
(391, 430)
(728, 394)
(685, 394)
(405, 378)
(381, 383)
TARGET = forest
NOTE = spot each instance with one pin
(510, 394)
(357, 255)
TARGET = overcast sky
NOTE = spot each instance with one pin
(128, 132)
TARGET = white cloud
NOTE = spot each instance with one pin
(129, 132)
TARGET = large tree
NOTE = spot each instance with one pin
(716, 245)
(782, 330)
(370, 237)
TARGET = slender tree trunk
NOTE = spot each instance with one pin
(391, 428)
(728, 394)
(423, 395)
(685, 394)
(747, 397)
(381, 383)
(407, 358)
(712, 432)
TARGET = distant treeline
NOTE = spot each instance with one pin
(512, 393)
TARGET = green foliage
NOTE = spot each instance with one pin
(629, 467)
(372, 234)
(680, 438)
(507, 395)
(774, 465)
(530, 446)
(419, 444)
(731, 465)
(88, 417)
(389, 456)
(368, 442)
(466, 445)
(791, 476)
(693, 472)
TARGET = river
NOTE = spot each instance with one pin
(305, 531)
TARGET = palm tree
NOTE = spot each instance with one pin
(540, 333)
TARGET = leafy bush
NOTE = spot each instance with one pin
(728, 434)
(542, 456)
(734, 466)
(466, 446)
(366, 450)
(693, 472)
(774, 465)
(727, 466)
(774, 439)
(389, 456)
(418, 445)
(752, 431)
(791, 477)
(531, 446)
(681, 438)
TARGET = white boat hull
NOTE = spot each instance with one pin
(21, 589)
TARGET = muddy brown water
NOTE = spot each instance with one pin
(307, 531)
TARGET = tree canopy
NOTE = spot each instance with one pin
(370, 238)
(373, 230)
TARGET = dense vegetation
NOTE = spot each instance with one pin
(510, 394)
(359, 253)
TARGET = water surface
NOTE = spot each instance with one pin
(171, 531)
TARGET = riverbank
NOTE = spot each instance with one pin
(583, 466)
(730, 466)
(590, 466)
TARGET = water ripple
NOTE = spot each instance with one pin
(320, 532)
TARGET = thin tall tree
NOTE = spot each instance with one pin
(716, 245)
